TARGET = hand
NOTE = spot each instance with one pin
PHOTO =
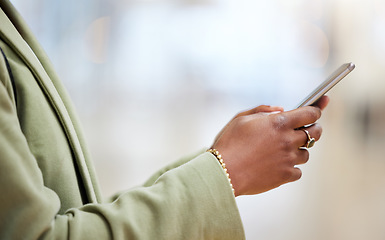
(260, 109)
(261, 150)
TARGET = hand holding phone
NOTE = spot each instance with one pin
(324, 87)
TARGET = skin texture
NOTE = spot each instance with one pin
(261, 150)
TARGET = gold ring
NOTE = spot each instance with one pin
(310, 141)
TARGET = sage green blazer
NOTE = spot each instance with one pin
(47, 182)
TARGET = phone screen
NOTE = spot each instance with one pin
(325, 86)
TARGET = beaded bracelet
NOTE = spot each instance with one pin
(219, 158)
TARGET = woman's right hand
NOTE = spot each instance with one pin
(261, 151)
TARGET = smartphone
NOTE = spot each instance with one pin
(330, 82)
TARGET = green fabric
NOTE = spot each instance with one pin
(47, 182)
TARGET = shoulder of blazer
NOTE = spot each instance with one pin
(17, 35)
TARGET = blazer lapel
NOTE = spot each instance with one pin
(15, 40)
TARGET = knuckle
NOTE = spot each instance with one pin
(315, 113)
(318, 134)
(298, 174)
(286, 174)
(286, 144)
(292, 159)
(303, 158)
(278, 120)
(317, 131)
(242, 123)
(292, 175)
(242, 120)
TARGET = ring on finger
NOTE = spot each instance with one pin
(310, 141)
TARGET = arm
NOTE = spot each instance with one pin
(191, 201)
(173, 165)
(152, 179)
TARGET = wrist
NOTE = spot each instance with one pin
(218, 156)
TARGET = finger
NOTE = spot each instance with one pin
(301, 137)
(315, 131)
(262, 108)
(301, 116)
(265, 108)
(296, 175)
(322, 102)
(303, 156)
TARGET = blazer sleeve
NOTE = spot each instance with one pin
(190, 201)
(152, 179)
(173, 165)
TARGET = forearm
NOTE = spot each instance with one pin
(173, 165)
(193, 201)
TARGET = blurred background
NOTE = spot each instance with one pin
(154, 80)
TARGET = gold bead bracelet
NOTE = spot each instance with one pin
(219, 158)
